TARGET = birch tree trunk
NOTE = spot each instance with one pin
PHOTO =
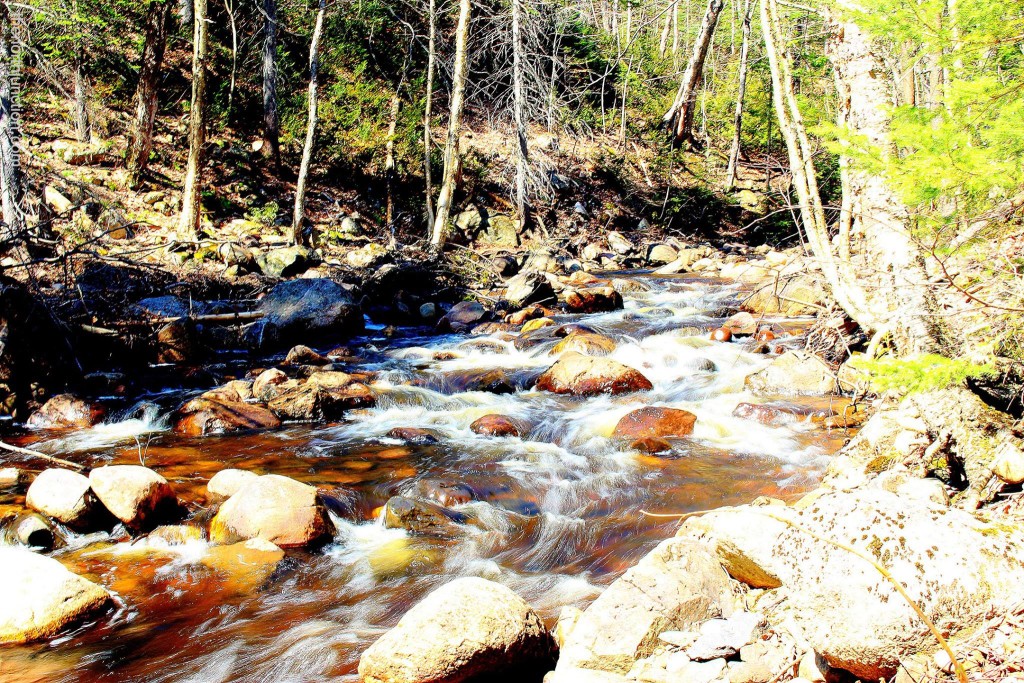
(734, 151)
(679, 118)
(307, 148)
(140, 143)
(452, 153)
(519, 113)
(901, 299)
(271, 147)
(188, 224)
(428, 111)
(230, 9)
(389, 161)
(10, 176)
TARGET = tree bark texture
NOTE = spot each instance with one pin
(140, 142)
(271, 146)
(734, 151)
(307, 147)
(188, 224)
(428, 111)
(10, 176)
(519, 112)
(679, 118)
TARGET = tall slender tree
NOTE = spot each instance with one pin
(307, 149)
(452, 151)
(679, 118)
(427, 110)
(271, 146)
(519, 111)
(734, 150)
(10, 175)
(188, 224)
(140, 138)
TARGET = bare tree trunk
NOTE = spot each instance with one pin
(675, 28)
(679, 117)
(452, 153)
(519, 112)
(140, 143)
(230, 9)
(428, 111)
(81, 104)
(734, 151)
(10, 175)
(901, 299)
(663, 43)
(389, 161)
(188, 224)
(271, 146)
(307, 148)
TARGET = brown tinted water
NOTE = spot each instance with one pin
(557, 516)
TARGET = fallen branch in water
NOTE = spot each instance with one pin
(961, 673)
(43, 456)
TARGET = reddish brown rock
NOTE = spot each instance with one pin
(324, 396)
(653, 421)
(203, 416)
(264, 387)
(177, 343)
(765, 335)
(651, 445)
(722, 334)
(581, 375)
(445, 493)
(528, 313)
(593, 300)
(499, 425)
(65, 411)
(303, 355)
(413, 435)
(742, 324)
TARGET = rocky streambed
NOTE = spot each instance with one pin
(277, 526)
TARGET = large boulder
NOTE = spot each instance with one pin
(286, 261)
(66, 411)
(227, 483)
(678, 585)
(136, 495)
(581, 375)
(463, 316)
(272, 508)
(794, 372)
(955, 567)
(300, 309)
(652, 421)
(500, 230)
(468, 629)
(39, 597)
(205, 415)
(65, 496)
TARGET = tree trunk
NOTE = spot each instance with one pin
(663, 43)
(81, 105)
(428, 112)
(452, 153)
(898, 292)
(734, 151)
(271, 147)
(230, 9)
(389, 161)
(519, 112)
(307, 148)
(188, 224)
(140, 143)
(679, 118)
(10, 175)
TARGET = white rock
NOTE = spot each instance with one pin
(63, 495)
(1009, 464)
(227, 483)
(136, 495)
(39, 597)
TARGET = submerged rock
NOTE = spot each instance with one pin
(39, 597)
(246, 565)
(136, 495)
(272, 508)
(66, 411)
(413, 435)
(421, 517)
(445, 493)
(468, 629)
(654, 421)
(581, 375)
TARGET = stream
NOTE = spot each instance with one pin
(557, 514)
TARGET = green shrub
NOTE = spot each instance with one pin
(921, 373)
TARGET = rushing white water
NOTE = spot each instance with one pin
(557, 513)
